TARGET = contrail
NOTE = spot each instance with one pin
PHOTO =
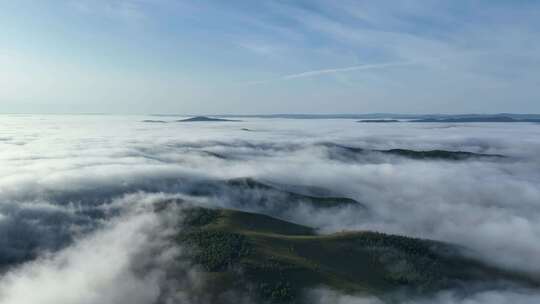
(348, 69)
(335, 70)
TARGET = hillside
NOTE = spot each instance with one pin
(274, 261)
(205, 119)
(485, 118)
(378, 120)
(346, 153)
(291, 196)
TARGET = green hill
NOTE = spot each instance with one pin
(274, 260)
(206, 119)
(438, 154)
(344, 153)
(251, 185)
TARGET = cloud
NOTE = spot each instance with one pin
(129, 259)
(316, 73)
(489, 58)
(490, 296)
(124, 10)
(261, 48)
(78, 189)
(445, 297)
(347, 69)
(486, 49)
(97, 269)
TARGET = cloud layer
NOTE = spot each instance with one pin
(76, 191)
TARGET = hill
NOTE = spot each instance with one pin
(496, 118)
(378, 120)
(274, 261)
(438, 154)
(341, 152)
(154, 121)
(293, 196)
(206, 119)
(276, 200)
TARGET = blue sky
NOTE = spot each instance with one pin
(245, 57)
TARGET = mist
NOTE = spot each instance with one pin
(76, 194)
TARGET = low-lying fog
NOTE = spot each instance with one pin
(76, 223)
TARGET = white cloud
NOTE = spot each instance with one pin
(348, 69)
(98, 269)
(67, 177)
(124, 10)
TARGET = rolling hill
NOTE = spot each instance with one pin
(205, 119)
(347, 153)
(275, 261)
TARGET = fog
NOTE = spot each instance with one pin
(76, 194)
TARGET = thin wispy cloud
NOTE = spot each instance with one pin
(221, 45)
(125, 10)
(348, 69)
(322, 72)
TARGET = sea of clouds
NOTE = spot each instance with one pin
(76, 194)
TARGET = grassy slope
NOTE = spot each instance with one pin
(343, 152)
(250, 184)
(438, 154)
(280, 258)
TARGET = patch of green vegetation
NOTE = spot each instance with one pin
(437, 154)
(206, 119)
(346, 153)
(245, 222)
(278, 260)
(251, 184)
(217, 251)
(277, 292)
(197, 217)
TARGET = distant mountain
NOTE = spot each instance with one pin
(438, 154)
(346, 153)
(274, 261)
(368, 116)
(154, 121)
(477, 119)
(379, 120)
(292, 195)
(205, 119)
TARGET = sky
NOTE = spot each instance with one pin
(262, 57)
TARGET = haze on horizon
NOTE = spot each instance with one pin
(247, 57)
